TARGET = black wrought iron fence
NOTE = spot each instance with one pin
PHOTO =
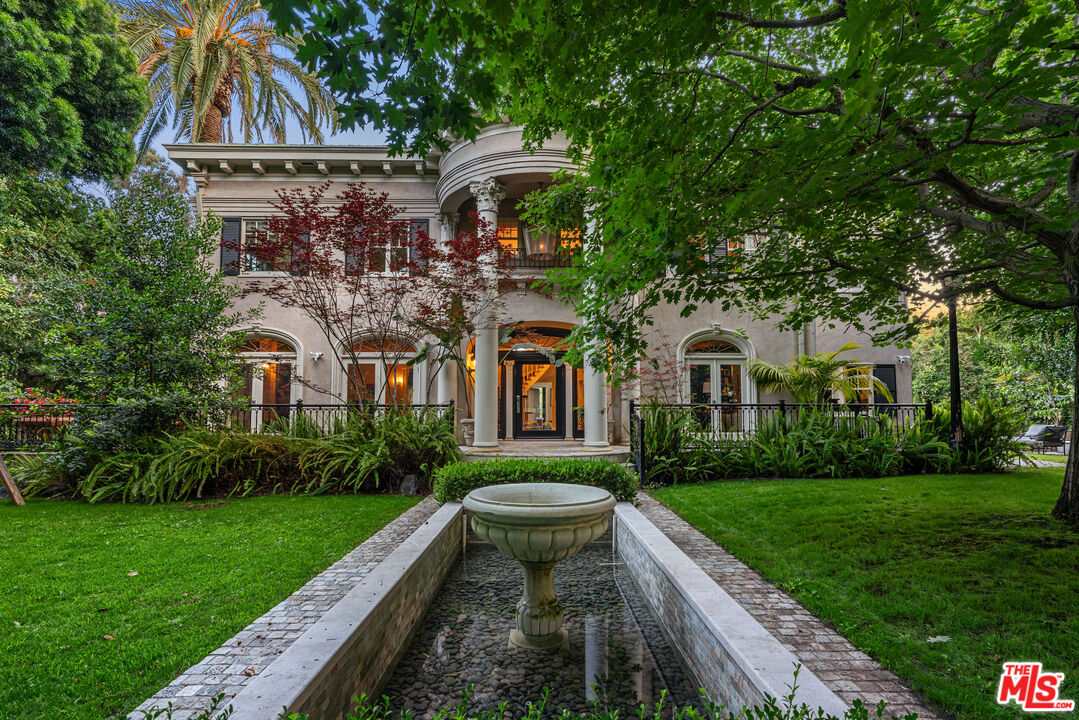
(714, 422)
(326, 417)
(37, 427)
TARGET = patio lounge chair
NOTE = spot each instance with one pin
(1043, 437)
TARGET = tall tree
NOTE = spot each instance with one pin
(47, 235)
(152, 319)
(1026, 361)
(70, 97)
(869, 149)
(368, 278)
(201, 55)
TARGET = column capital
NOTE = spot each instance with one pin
(448, 221)
(489, 192)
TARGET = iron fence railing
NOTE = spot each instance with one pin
(37, 427)
(715, 422)
(524, 259)
(747, 417)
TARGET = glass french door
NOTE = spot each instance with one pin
(537, 399)
(714, 382)
(268, 383)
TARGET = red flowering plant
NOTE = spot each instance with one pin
(29, 404)
(372, 281)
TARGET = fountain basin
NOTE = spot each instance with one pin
(539, 524)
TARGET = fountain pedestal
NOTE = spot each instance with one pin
(539, 524)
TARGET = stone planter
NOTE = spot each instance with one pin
(468, 431)
(539, 524)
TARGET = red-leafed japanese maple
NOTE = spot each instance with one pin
(375, 283)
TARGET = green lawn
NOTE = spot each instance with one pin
(1050, 457)
(894, 562)
(83, 636)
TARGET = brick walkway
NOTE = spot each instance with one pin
(849, 672)
(247, 653)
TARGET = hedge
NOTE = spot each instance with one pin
(454, 481)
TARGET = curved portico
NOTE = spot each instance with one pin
(490, 175)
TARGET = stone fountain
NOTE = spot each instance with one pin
(539, 524)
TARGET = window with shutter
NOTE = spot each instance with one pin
(230, 246)
(417, 228)
(886, 374)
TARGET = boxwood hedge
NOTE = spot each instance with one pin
(454, 481)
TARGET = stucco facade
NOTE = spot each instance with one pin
(508, 394)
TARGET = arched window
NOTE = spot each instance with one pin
(713, 346)
(378, 372)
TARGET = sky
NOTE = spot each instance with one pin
(363, 136)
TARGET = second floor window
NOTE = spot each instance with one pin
(395, 254)
(509, 235)
(256, 231)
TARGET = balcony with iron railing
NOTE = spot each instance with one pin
(529, 248)
(523, 260)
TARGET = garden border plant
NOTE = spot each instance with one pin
(822, 443)
(360, 454)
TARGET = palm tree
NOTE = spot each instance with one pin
(198, 55)
(815, 378)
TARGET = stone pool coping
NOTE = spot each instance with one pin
(849, 672)
(247, 654)
(736, 660)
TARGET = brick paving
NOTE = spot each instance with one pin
(246, 654)
(849, 672)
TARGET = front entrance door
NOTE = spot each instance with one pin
(538, 397)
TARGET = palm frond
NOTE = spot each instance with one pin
(192, 49)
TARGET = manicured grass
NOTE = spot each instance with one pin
(82, 636)
(894, 562)
(1051, 458)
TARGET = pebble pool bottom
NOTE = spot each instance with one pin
(617, 656)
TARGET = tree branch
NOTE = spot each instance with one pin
(775, 64)
(836, 13)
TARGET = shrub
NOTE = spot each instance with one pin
(827, 442)
(362, 454)
(989, 427)
(453, 482)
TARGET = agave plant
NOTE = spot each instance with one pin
(816, 378)
(200, 55)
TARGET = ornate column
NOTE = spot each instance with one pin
(447, 374)
(595, 381)
(488, 193)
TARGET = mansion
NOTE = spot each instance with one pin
(511, 388)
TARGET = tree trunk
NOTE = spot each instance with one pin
(1067, 507)
(211, 126)
(218, 112)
